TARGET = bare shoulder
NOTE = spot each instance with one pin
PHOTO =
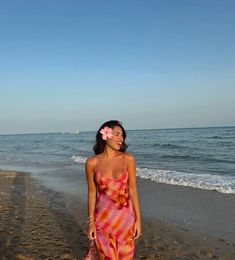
(129, 158)
(91, 161)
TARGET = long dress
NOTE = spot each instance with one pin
(114, 218)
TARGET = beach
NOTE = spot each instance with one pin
(41, 223)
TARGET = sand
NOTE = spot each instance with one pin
(199, 210)
(39, 223)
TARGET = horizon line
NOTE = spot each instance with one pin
(140, 129)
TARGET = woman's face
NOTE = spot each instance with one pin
(115, 142)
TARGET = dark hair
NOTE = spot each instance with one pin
(100, 143)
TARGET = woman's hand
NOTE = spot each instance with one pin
(91, 231)
(137, 230)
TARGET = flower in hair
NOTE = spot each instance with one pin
(106, 132)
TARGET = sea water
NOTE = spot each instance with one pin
(197, 157)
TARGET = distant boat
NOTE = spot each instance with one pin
(70, 133)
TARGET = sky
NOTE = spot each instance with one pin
(72, 65)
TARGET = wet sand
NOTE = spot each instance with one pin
(204, 211)
(39, 223)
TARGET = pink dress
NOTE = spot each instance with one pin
(114, 219)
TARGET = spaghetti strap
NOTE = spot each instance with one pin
(95, 165)
(123, 162)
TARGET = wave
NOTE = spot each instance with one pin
(215, 137)
(206, 159)
(220, 137)
(214, 160)
(169, 146)
(188, 157)
(79, 159)
(223, 184)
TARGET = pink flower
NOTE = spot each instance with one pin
(106, 132)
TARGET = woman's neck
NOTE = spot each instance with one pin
(110, 153)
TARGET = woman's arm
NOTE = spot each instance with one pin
(133, 194)
(91, 199)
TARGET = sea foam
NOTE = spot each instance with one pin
(79, 159)
(223, 184)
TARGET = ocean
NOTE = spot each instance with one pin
(202, 158)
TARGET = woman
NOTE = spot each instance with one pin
(113, 205)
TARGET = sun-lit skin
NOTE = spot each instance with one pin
(110, 162)
(116, 140)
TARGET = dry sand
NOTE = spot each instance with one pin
(38, 223)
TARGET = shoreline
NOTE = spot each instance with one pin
(205, 211)
(37, 222)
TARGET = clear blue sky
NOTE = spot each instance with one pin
(71, 65)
